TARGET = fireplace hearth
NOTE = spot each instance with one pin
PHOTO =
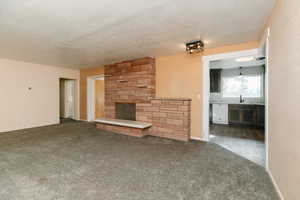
(126, 111)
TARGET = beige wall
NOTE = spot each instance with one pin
(284, 98)
(181, 76)
(23, 108)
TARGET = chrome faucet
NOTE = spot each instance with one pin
(242, 100)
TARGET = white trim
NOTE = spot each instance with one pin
(206, 60)
(265, 48)
(90, 99)
(275, 184)
(265, 44)
(198, 139)
(232, 55)
(91, 96)
(206, 81)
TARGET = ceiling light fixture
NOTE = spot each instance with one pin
(244, 59)
(194, 47)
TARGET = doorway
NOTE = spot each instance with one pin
(67, 100)
(235, 102)
(95, 97)
(99, 96)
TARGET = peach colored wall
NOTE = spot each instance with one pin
(180, 75)
(177, 75)
(84, 73)
(23, 108)
(284, 97)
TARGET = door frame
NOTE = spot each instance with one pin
(264, 46)
(206, 81)
(262, 50)
(91, 99)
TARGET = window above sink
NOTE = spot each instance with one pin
(248, 86)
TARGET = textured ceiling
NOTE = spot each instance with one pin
(87, 33)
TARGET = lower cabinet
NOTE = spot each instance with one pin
(253, 115)
(220, 113)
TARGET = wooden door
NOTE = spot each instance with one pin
(99, 95)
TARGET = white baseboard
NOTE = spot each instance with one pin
(199, 139)
(275, 185)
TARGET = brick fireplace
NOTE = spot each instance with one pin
(130, 95)
(129, 82)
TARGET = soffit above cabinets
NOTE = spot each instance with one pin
(232, 63)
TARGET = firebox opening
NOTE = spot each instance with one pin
(126, 111)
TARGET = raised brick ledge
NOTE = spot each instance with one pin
(136, 132)
(170, 117)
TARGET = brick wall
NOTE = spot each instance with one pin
(170, 118)
(129, 82)
(134, 82)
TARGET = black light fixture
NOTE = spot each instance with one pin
(194, 47)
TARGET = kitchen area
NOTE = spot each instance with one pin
(237, 106)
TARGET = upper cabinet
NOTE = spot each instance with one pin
(215, 80)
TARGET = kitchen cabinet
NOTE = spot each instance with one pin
(261, 116)
(253, 115)
(215, 80)
(220, 113)
(210, 113)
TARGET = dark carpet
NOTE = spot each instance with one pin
(76, 161)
